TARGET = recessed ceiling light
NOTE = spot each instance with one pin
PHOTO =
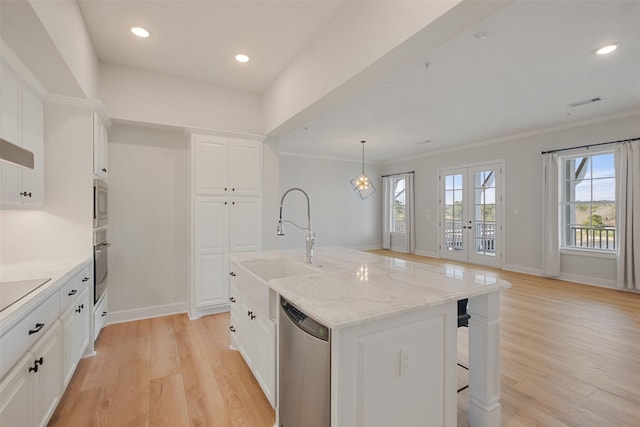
(140, 32)
(242, 58)
(607, 49)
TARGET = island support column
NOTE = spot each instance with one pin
(484, 360)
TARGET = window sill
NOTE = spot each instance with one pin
(588, 253)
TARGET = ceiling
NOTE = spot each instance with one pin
(514, 72)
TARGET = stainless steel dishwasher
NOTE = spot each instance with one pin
(305, 369)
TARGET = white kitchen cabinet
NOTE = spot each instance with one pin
(21, 123)
(100, 312)
(100, 154)
(226, 209)
(226, 166)
(31, 391)
(75, 334)
(253, 334)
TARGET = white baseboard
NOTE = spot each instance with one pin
(585, 280)
(146, 312)
(521, 269)
(430, 254)
(196, 314)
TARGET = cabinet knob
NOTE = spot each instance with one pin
(225, 188)
(104, 170)
(225, 203)
(253, 316)
(37, 329)
(233, 203)
(233, 189)
(104, 313)
(232, 274)
(232, 329)
(73, 292)
(85, 279)
(249, 313)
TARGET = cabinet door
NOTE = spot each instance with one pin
(210, 163)
(245, 230)
(264, 359)
(14, 395)
(84, 323)
(245, 330)
(245, 168)
(33, 140)
(210, 249)
(46, 384)
(99, 148)
(69, 338)
(10, 111)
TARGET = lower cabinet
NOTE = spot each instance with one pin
(75, 334)
(31, 391)
(254, 335)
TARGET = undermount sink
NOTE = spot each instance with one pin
(274, 268)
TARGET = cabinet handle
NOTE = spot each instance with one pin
(80, 308)
(37, 329)
(104, 313)
(232, 329)
(232, 299)
(253, 316)
(104, 170)
(36, 362)
(232, 274)
(25, 194)
(249, 313)
(73, 292)
(85, 279)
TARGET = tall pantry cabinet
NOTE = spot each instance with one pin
(226, 213)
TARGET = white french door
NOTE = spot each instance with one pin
(471, 214)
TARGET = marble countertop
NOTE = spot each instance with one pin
(346, 287)
(58, 269)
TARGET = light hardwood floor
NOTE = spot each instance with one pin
(570, 356)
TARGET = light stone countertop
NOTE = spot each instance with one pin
(58, 269)
(349, 287)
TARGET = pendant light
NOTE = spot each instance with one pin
(362, 185)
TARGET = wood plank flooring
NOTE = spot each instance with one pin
(570, 356)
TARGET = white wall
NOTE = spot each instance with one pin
(522, 194)
(148, 221)
(143, 96)
(339, 216)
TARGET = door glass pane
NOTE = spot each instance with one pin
(484, 223)
(453, 202)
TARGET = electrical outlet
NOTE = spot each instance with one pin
(405, 360)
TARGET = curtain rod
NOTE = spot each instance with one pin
(591, 145)
(399, 173)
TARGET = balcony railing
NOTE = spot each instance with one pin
(484, 233)
(581, 236)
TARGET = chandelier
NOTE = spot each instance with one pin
(362, 185)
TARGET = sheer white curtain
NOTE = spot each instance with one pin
(628, 223)
(550, 208)
(386, 212)
(410, 214)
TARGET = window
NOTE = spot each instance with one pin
(398, 218)
(588, 206)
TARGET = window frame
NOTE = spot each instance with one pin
(392, 213)
(563, 204)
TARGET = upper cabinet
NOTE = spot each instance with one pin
(226, 166)
(21, 123)
(99, 148)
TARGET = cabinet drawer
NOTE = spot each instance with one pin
(70, 291)
(15, 343)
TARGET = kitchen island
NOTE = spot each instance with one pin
(394, 333)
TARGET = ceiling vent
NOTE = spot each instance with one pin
(585, 102)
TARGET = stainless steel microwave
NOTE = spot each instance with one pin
(100, 203)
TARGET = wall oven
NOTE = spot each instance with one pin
(100, 263)
(100, 203)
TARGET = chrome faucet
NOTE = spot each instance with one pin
(311, 235)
